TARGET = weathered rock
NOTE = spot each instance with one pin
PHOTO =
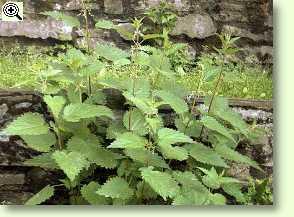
(113, 6)
(44, 29)
(3, 110)
(23, 105)
(198, 26)
(235, 31)
(12, 179)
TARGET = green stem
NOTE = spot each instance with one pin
(212, 98)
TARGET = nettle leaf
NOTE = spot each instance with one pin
(40, 143)
(234, 189)
(68, 20)
(98, 98)
(219, 104)
(111, 52)
(217, 199)
(28, 124)
(143, 104)
(72, 163)
(130, 141)
(44, 160)
(105, 24)
(139, 88)
(134, 121)
(230, 154)
(189, 198)
(155, 123)
(89, 193)
(85, 144)
(55, 104)
(41, 196)
(146, 157)
(212, 124)
(235, 120)
(161, 182)
(145, 191)
(211, 179)
(75, 59)
(188, 127)
(90, 148)
(77, 111)
(176, 103)
(167, 137)
(116, 188)
(205, 155)
(115, 129)
(92, 69)
(189, 181)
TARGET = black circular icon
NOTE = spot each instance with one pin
(11, 10)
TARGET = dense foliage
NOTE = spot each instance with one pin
(140, 158)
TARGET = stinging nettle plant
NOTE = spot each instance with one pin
(139, 157)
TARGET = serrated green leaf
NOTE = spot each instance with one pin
(167, 137)
(105, 158)
(134, 121)
(115, 129)
(212, 124)
(41, 196)
(234, 189)
(145, 191)
(66, 19)
(130, 141)
(77, 111)
(189, 181)
(235, 120)
(175, 153)
(139, 88)
(217, 199)
(176, 103)
(105, 24)
(205, 155)
(146, 157)
(92, 69)
(90, 148)
(155, 123)
(219, 104)
(28, 124)
(111, 52)
(189, 127)
(189, 198)
(211, 179)
(89, 193)
(71, 163)
(161, 182)
(44, 160)
(141, 103)
(116, 188)
(230, 154)
(55, 103)
(40, 143)
(98, 98)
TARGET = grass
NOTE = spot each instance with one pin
(19, 68)
(250, 83)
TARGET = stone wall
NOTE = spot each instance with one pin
(198, 21)
(19, 182)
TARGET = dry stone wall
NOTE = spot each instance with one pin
(198, 21)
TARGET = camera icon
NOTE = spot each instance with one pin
(12, 11)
